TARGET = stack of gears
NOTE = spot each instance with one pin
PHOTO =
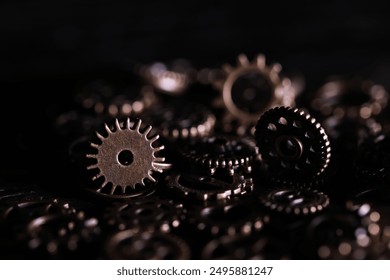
(230, 163)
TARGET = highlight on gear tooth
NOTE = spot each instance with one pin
(125, 158)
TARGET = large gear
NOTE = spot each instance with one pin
(292, 144)
(251, 88)
(126, 158)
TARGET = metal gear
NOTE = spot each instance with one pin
(146, 215)
(125, 158)
(295, 201)
(222, 152)
(292, 144)
(251, 88)
(131, 245)
(206, 188)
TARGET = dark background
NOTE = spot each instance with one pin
(47, 47)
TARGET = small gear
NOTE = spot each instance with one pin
(126, 158)
(239, 247)
(295, 201)
(252, 88)
(241, 217)
(61, 236)
(172, 78)
(131, 245)
(103, 98)
(222, 152)
(146, 215)
(292, 144)
(181, 120)
(350, 99)
(207, 188)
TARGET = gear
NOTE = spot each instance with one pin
(241, 217)
(125, 158)
(131, 245)
(206, 188)
(350, 99)
(181, 120)
(222, 152)
(172, 79)
(295, 201)
(146, 215)
(252, 88)
(60, 235)
(292, 144)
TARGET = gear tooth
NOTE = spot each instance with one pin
(93, 166)
(154, 139)
(147, 131)
(159, 159)
(109, 131)
(91, 156)
(151, 178)
(113, 188)
(97, 176)
(99, 136)
(137, 126)
(128, 123)
(276, 67)
(94, 145)
(242, 60)
(117, 125)
(159, 148)
(260, 61)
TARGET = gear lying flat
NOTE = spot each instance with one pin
(126, 157)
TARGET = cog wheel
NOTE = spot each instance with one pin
(131, 245)
(295, 201)
(222, 152)
(292, 144)
(181, 120)
(126, 158)
(239, 217)
(146, 215)
(251, 88)
(206, 188)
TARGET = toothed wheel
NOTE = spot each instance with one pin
(125, 158)
(251, 88)
(292, 144)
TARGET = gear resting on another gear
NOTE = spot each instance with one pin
(292, 144)
(126, 158)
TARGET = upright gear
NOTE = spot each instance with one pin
(126, 158)
(292, 144)
(252, 88)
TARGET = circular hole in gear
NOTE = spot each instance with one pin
(251, 92)
(289, 147)
(125, 157)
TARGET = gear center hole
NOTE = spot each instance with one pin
(289, 147)
(125, 157)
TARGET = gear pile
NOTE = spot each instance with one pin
(237, 162)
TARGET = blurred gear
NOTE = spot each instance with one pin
(125, 158)
(234, 218)
(170, 78)
(252, 88)
(146, 215)
(115, 99)
(59, 235)
(373, 159)
(130, 245)
(222, 152)
(295, 201)
(238, 247)
(206, 188)
(350, 99)
(292, 144)
(181, 120)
